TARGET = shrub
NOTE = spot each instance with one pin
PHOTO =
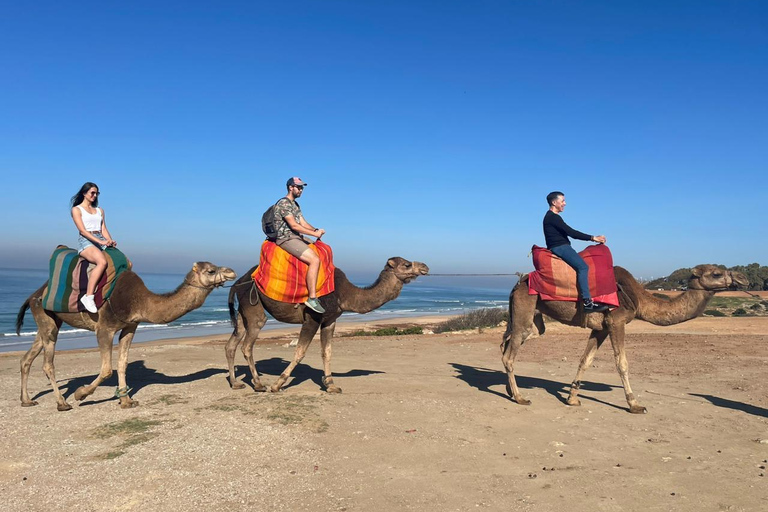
(740, 312)
(477, 319)
(714, 312)
(389, 331)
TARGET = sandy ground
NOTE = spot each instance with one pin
(423, 423)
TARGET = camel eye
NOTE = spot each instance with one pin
(718, 274)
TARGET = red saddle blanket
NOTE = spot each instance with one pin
(554, 279)
(283, 277)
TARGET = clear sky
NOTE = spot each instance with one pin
(431, 130)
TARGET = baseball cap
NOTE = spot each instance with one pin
(295, 181)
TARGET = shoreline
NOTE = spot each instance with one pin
(271, 334)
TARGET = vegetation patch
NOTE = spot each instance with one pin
(389, 331)
(171, 399)
(714, 312)
(477, 319)
(133, 432)
(129, 427)
(299, 411)
(740, 312)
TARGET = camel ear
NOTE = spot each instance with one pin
(697, 271)
(194, 267)
(391, 263)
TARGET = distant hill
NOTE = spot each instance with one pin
(677, 280)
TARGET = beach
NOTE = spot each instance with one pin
(423, 423)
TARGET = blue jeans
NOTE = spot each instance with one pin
(572, 258)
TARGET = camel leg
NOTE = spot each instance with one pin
(308, 330)
(126, 338)
(49, 345)
(104, 339)
(596, 338)
(231, 349)
(522, 310)
(249, 327)
(620, 356)
(326, 337)
(26, 366)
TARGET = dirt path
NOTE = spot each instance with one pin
(423, 423)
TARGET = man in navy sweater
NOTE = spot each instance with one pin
(556, 233)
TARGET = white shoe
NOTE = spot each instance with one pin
(88, 302)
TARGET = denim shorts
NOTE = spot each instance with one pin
(83, 243)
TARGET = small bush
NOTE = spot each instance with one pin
(740, 312)
(477, 319)
(389, 331)
(714, 312)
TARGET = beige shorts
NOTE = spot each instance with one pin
(294, 246)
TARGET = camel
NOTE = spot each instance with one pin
(526, 321)
(130, 304)
(250, 317)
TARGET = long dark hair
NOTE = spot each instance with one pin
(78, 198)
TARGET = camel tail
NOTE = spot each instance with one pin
(20, 316)
(232, 312)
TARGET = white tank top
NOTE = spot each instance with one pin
(91, 221)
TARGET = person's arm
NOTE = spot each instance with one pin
(77, 216)
(304, 227)
(568, 230)
(105, 231)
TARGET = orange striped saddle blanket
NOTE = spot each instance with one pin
(554, 279)
(283, 277)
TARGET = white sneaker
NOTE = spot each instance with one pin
(88, 302)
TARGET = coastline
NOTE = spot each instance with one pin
(270, 334)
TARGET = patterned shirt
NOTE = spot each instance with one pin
(284, 208)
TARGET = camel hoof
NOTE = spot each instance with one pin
(80, 393)
(522, 401)
(274, 389)
(236, 385)
(259, 387)
(333, 389)
(64, 407)
(129, 405)
(29, 403)
(574, 402)
(637, 409)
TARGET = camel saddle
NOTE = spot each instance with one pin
(68, 279)
(554, 279)
(283, 277)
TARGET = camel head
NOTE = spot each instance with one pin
(715, 279)
(208, 275)
(405, 270)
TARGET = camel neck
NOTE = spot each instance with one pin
(684, 307)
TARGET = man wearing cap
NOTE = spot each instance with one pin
(290, 226)
(556, 233)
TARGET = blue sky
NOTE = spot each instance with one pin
(428, 130)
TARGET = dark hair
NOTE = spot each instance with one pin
(78, 198)
(552, 196)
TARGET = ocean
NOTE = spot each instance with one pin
(425, 296)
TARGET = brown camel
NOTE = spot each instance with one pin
(250, 317)
(525, 320)
(130, 304)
